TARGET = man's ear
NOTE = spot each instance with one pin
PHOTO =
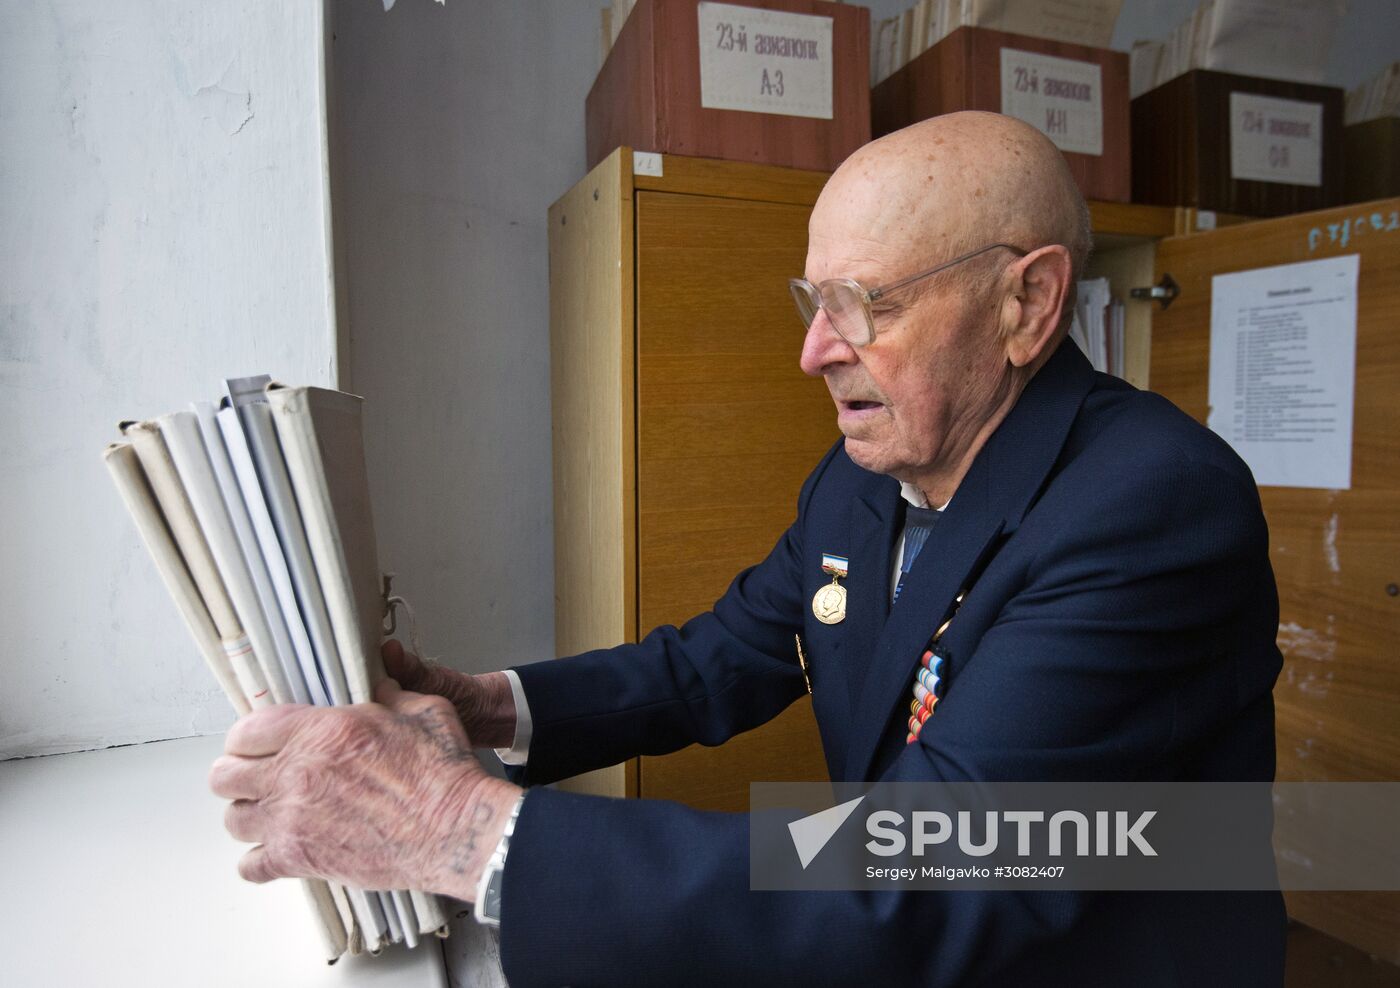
(1036, 298)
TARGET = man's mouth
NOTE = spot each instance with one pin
(860, 406)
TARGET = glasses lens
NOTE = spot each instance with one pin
(845, 307)
(802, 294)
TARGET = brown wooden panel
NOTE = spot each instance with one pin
(647, 95)
(724, 413)
(620, 109)
(728, 427)
(1119, 223)
(1372, 159)
(734, 180)
(591, 373)
(1181, 146)
(963, 72)
(1334, 552)
(591, 370)
(1316, 960)
(1366, 920)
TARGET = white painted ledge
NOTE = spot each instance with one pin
(116, 871)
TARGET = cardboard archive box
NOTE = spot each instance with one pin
(1238, 144)
(1371, 156)
(1076, 94)
(778, 82)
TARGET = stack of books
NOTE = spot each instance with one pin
(1098, 326)
(1285, 39)
(614, 16)
(898, 40)
(1376, 97)
(257, 516)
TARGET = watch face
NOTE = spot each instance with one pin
(491, 902)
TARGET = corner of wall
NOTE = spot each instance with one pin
(337, 287)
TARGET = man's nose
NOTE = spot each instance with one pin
(824, 347)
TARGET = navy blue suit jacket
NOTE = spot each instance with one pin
(1120, 625)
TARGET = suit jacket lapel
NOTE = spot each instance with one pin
(874, 522)
(998, 490)
(961, 538)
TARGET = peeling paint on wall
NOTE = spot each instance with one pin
(226, 103)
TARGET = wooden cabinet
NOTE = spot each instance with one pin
(683, 427)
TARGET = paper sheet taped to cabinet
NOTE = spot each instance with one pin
(1283, 369)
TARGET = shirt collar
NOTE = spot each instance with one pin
(914, 496)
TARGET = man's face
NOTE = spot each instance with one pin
(912, 402)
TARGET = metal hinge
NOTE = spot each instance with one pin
(1165, 291)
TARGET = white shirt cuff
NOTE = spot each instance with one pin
(519, 752)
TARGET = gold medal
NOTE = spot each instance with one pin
(829, 603)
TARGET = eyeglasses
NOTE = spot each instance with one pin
(847, 304)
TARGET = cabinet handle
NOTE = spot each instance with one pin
(1165, 291)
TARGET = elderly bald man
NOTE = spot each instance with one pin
(1117, 621)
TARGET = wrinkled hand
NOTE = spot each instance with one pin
(484, 704)
(377, 795)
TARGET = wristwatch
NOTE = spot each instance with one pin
(488, 889)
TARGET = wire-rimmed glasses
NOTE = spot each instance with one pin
(847, 304)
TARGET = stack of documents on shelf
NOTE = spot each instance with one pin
(897, 40)
(1375, 98)
(1097, 326)
(614, 16)
(257, 515)
(1274, 39)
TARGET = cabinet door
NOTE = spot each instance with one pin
(728, 427)
(1336, 553)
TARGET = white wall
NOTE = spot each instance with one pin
(163, 223)
(457, 125)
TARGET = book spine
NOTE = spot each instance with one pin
(408, 920)
(250, 552)
(432, 921)
(145, 511)
(334, 937)
(293, 416)
(181, 434)
(184, 527)
(269, 549)
(256, 419)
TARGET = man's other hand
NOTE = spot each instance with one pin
(484, 703)
(377, 795)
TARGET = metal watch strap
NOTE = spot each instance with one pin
(488, 890)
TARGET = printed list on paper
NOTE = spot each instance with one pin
(1283, 369)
